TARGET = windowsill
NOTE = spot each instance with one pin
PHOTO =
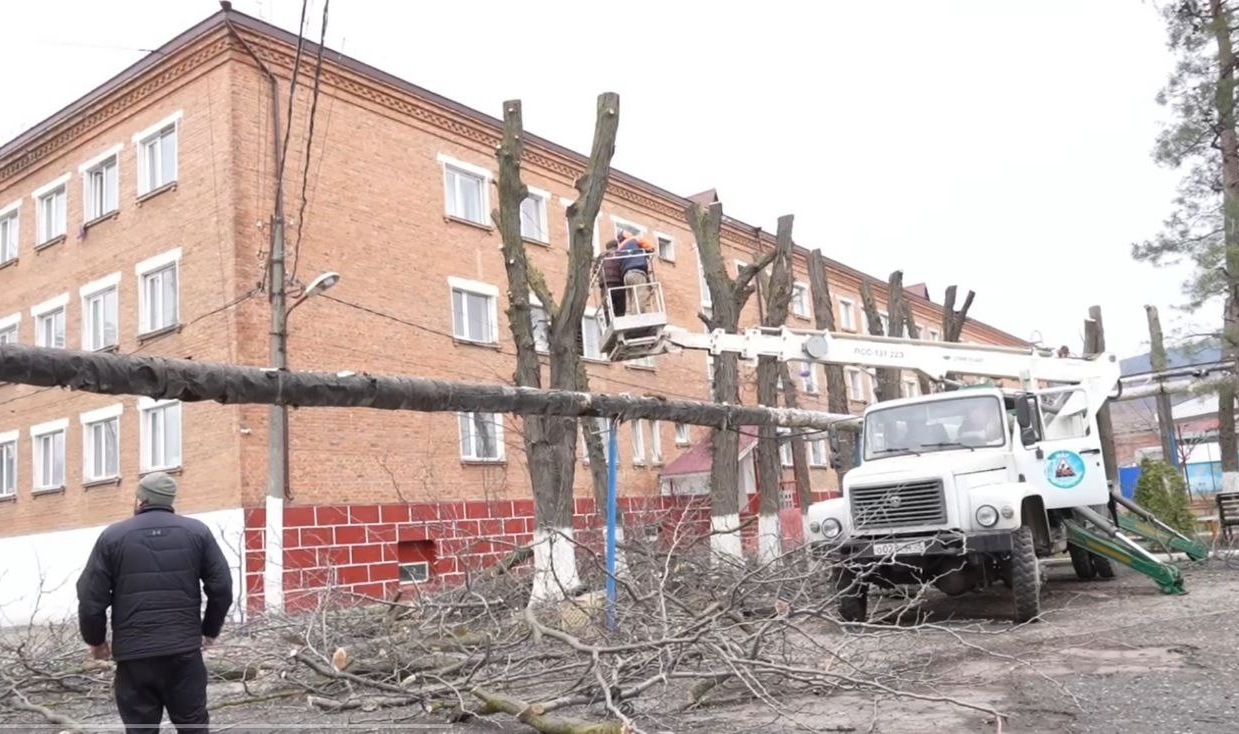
(101, 219)
(471, 343)
(483, 462)
(666, 259)
(110, 348)
(8, 263)
(639, 464)
(800, 317)
(813, 393)
(143, 198)
(49, 243)
(152, 335)
(47, 490)
(683, 445)
(108, 481)
(468, 223)
(532, 241)
(8, 497)
(595, 360)
(167, 470)
(642, 367)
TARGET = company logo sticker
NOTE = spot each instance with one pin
(1064, 469)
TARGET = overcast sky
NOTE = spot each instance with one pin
(1005, 149)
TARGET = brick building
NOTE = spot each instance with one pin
(137, 220)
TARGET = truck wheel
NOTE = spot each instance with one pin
(1025, 576)
(1103, 567)
(1082, 562)
(853, 597)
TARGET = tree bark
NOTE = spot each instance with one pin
(836, 386)
(800, 450)
(1228, 446)
(952, 320)
(914, 332)
(1157, 360)
(890, 381)
(873, 321)
(1095, 343)
(769, 463)
(727, 299)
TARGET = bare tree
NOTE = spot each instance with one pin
(1157, 361)
(1095, 343)
(886, 382)
(914, 332)
(727, 299)
(550, 441)
(769, 465)
(953, 320)
(836, 386)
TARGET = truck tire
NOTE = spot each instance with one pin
(1025, 576)
(1102, 566)
(853, 597)
(1082, 562)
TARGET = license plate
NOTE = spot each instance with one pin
(899, 548)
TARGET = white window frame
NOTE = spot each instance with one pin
(620, 222)
(911, 388)
(48, 308)
(659, 238)
(12, 322)
(682, 435)
(819, 453)
(885, 318)
(544, 199)
(471, 170)
(59, 185)
(638, 441)
(786, 457)
(10, 247)
(656, 442)
(37, 433)
(536, 304)
(87, 293)
(477, 288)
(847, 314)
(140, 141)
(87, 170)
(809, 381)
(500, 453)
(8, 481)
(855, 384)
(591, 314)
(934, 335)
(418, 572)
(88, 421)
(706, 298)
(151, 266)
(800, 299)
(145, 407)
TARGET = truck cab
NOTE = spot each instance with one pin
(962, 489)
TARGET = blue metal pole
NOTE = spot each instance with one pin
(612, 460)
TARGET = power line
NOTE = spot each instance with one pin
(309, 141)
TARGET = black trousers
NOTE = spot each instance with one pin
(145, 687)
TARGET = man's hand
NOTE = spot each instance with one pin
(207, 642)
(101, 652)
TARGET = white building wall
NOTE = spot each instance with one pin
(38, 572)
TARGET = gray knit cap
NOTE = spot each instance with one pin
(157, 488)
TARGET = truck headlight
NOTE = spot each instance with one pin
(831, 528)
(987, 516)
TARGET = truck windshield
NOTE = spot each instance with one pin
(935, 425)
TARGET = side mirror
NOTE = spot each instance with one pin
(1026, 418)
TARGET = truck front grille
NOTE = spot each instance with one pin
(898, 505)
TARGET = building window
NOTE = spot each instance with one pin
(541, 323)
(465, 190)
(934, 336)
(161, 434)
(100, 314)
(856, 390)
(101, 187)
(591, 337)
(800, 300)
(785, 446)
(8, 233)
(101, 444)
(818, 453)
(51, 209)
(415, 558)
(808, 373)
(600, 427)
(681, 434)
(666, 247)
(159, 291)
(481, 437)
(623, 225)
(847, 314)
(638, 441)
(885, 319)
(911, 388)
(49, 322)
(533, 217)
(8, 328)
(8, 464)
(656, 442)
(706, 299)
(474, 316)
(48, 440)
(157, 152)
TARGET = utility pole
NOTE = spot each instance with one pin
(277, 433)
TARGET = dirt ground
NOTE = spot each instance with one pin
(1108, 656)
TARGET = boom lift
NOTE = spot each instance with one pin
(951, 491)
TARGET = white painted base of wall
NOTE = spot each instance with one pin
(38, 580)
(554, 565)
(725, 540)
(769, 538)
(273, 556)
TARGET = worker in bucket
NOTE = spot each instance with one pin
(153, 570)
(612, 280)
(635, 265)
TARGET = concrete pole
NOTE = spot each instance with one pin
(277, 433)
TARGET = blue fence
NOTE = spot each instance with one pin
(1203, 477)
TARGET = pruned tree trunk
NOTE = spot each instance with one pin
(769, 463)
(873, 321)
(1228, 446)
(836, 385)
(1157, 360)
(550, 441)
(727, 299)
(914, 332)
(1095, 343)
(800, 451)
(952, 320)
(891, 380)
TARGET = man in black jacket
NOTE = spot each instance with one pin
(152, 570)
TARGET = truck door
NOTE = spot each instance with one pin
(1066, 464)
